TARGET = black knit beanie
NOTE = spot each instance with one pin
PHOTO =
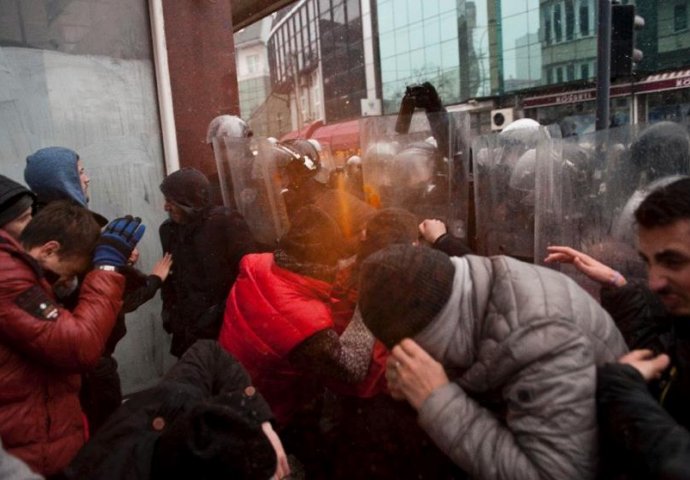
(402, 288)
(313, 237)
(14, 199)
(187, 188)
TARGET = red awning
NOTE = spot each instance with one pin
(343, 135)
(305, 132)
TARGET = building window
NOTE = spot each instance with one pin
(569, 19)
(559, 74)
(252, 63)
(584, 71)
(571, 72)
(584, 18)
(546, 14)
(680, 18)
(549, 76)
(557, 23)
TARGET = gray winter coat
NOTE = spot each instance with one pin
(520, 344)
(11, 468)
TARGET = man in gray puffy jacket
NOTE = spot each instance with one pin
(498, 356)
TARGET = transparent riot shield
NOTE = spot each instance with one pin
(328, 163)
(248, 169)
(587, 200)
(505, 170)
(410, 171)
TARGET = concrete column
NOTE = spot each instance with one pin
(201, 55)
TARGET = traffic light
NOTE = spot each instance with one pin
(624, 23)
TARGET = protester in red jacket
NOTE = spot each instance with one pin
(278, 321)
(44, 347)
(279, 324)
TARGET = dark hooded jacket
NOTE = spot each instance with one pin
(207, 251)
(203, 420)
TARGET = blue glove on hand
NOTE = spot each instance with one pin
(117, 241)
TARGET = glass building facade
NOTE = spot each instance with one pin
(293, 45)
(467, 49)
(418, 42)
(342, 58)
(325, 34)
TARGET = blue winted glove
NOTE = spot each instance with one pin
(117, 241)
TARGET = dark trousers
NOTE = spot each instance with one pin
(101, 393)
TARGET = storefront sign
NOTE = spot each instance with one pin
(653, 83)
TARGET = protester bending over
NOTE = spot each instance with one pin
(498, 356)
(44, 347)
(376, 436)
(203, 420)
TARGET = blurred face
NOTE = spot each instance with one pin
(83, 179)
(16, 226)
(666, 251)
(175, 212)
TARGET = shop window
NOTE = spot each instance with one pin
(680, 18)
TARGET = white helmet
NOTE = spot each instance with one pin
(227, 126)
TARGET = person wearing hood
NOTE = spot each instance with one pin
(497, 356)
(16, 204)
(206, 243)
(57, 173)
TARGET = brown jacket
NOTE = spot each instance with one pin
(43, 348)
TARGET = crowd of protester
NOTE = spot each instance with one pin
(364, 342)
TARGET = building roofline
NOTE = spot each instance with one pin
(285, 18)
